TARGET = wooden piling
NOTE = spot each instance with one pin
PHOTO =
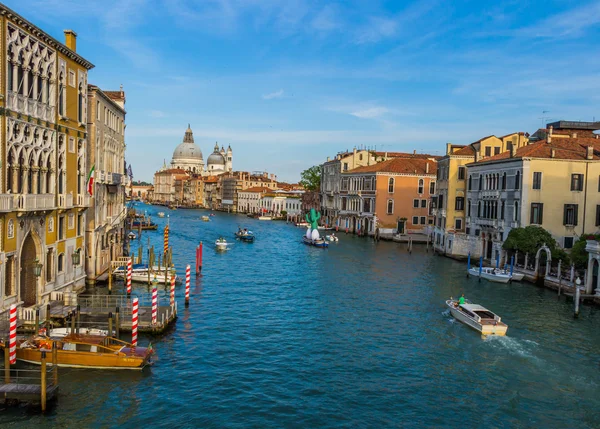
(117, 322)
(37, 320)
(577, 298)
(55, 363)
(110, 325)
(6, 365)
(48, 313)
(78, 318)
(44, 383)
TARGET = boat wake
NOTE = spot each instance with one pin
(522, 348)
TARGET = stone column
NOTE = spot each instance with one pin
(26, 82)
(15, 179)
(44, 89)
(43, 179)
(590, 267)
(36, 78)
(34, 184)
(16, 77)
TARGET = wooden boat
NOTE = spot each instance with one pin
(489, 274)
(57, 333)
(144, 224)
(84, 351)
(317, 243)
(247, 236)
(139, 274)
(205, 218)
(477, 317)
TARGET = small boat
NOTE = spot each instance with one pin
(212, 214)
(161, 214)
(477, 317)
(325, 228)
(265, 218)
(132, 236)
(489, 274)
(304, 224)
(144, 224)
(139, 274)
(514, 277)
(84, 351)
(247, 236)
(56, 333)
(205, 218)
(221, 244)
(331, 238)
(317, 243)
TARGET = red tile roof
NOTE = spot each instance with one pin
(256, 189)
(115, 95)
(465, 150)
(405, 155)
(399, 165)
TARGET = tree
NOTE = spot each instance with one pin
(530, 239)
(579, 256)
(311, 178)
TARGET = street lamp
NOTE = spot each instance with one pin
(76, 257)
(37, 268)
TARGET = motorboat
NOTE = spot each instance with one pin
(515, 276)
(245, 235)
(265, 218)
(212, 214)
(331, 238)
(132, 236)
(221, 244)
(84, 351)
(304, 224)
(317, 243)
(161, 214)
(145, 224)
(489, 274)
(477, 317)
(205, 218)
(139, 274)
(56, 333)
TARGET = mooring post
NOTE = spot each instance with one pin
(43, 381)
(6, 364)
(110, 279)
(117, 322)
(468, 263)
(72, 323)
(37, 320)
(110, 327)
(55, 363)
(48, 313)
(577, 296)
(78, 319)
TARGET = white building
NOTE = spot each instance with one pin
(249, 199)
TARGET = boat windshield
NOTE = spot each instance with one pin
(485, 314)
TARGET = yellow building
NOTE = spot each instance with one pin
(42, 200)
(450, 205)
(552, 183)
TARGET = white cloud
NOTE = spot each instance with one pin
(570, 23)
(376, 29)
(370, 113)
(272, 95)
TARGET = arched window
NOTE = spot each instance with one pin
(61, 95)
(391, 185)
(421, 186)
(478, 208)
(80, 104)
(470, 182)
(480, 182)
(390, 206)
(516, 214)
(61, 262)
(518, 180)
(504, 181)
(360, 156)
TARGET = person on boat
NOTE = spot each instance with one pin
(240, 231)
(461, 300)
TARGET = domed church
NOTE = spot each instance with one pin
(188, 156)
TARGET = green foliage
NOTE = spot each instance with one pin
(284, 213)
(578, 254)
(311, 178)
(530, 239)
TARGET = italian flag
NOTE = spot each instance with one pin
(90, 181)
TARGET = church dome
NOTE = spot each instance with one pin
(216, 158)
(187, 150)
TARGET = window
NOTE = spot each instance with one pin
(488, 151)
(458, 224)
(423, 204)
(360, 157)
(480, 182)
(391, 185)
(416, 204)
(415, 220)
(61, 262)
(570, 215)
(421, 185)
(478, 208)
(49, 265)
(80, 104)
(460, 203)
(470, 182)
(468, 207)
(430, 221)
(440, 202)
(432, 188)
(461, 173)
(345, 166)
(537, 213)
(516, 217)
(537, 180)
(576, 182)
(390, 207)
(597, 215)
(503, 181)
(467, 230)
(518, 180)
(61, 95)
(496, 150)
(61, 228)
(423, 220)
(568, 243)
(502, 210)
(477, 232)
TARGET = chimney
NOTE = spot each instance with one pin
(414, 151)
(574, 135)
(590, 153)
(549, 137)
(354, 151)
(426, 168)
(552, 153)
(71, 40)
(513, 151)
(448, 148)
(327, 159)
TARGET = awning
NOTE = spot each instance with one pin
(112, 189)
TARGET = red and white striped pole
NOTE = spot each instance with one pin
(154, 306)
(172, 290)
(129, 273)
(187, 285)
(134, 322)
(13, 334)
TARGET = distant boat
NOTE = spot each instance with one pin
(331, 238)
(247, 236)
(477, 317)
(489, 274)
(205, 218)
(317, 243)
(145, 224)
(265, 218)
(161, 214)
(304, 224)
(221, 244)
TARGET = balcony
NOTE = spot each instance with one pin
(26, 106)
(117, 178)
(83, 200)
(65, 201)
(34, 202)
(490, 194)
(487, 222)
(6, 202)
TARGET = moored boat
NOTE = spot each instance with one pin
(477, 317)
(56, 333)
(84, 351)
(515, 276)
(317, 243)
(132, 236)
(332, 237)
(489, 274)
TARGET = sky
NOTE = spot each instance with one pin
(288, 83)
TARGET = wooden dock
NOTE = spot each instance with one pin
(26, 393)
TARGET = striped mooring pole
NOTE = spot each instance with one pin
(166, 239)
(187, 285)
(172, 290)
(13, 334)
(154, 306)
(129, 273)
(134, 322)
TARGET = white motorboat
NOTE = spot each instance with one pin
(205, 218)
(304, 224)
(331, 238)
(221, 244)
(477, 317)
(63, 332)
(515, 275)
(265, 218)
(132, 236)
(489, 274)
(161, 214)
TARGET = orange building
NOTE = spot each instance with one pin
(392, 195)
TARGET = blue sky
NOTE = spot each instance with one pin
(288, 83)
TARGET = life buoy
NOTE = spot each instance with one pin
(42, 332)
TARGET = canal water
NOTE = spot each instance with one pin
(281, 335)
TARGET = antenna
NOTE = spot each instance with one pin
(544, 118)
